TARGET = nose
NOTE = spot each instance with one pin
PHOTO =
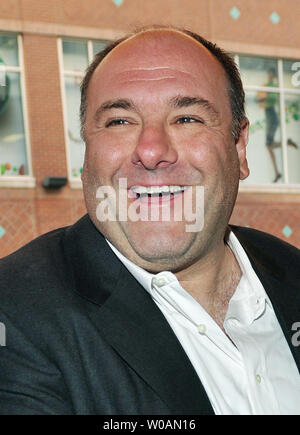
(154, 148)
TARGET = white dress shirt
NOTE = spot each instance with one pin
(256, 375)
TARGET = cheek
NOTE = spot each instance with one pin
(105, 157)
(214, 155)
(205, 152)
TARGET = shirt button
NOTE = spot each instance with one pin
(201, 329)
(233, 321)
(258, 378)
(159, 282)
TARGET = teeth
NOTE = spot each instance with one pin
(157, 189)
(139, 189)
(174, 189)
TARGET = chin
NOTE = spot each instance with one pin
(161, 243)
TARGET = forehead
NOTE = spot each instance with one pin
(167, 45)
(159, 55)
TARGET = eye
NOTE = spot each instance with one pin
(116, 122)
(188, 120)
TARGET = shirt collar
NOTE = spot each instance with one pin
(141, 275)
(248, 301)
(250, 298)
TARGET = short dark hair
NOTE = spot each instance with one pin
(236, 92)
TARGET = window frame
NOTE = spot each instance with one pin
(28, 180)
(74, 182)
(285, 187)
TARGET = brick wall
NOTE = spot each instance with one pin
(44, 106)
(275, 214)
(26, 218)
(26, 213)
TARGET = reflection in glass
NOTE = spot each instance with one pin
(13, 159)
(254, 70)
(268, 101)
(264, 147)
(75, 55)
(9, 50)
(292, 111)
(76, 144)
(291, 74)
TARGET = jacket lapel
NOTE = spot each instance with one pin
(131, 322)
(135, 327)
(282, 287)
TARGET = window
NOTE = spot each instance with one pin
(14, 141)
(272, 88)
(75, 57)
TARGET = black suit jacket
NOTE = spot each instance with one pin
(83, 336)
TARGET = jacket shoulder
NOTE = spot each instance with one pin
(251, 235)
(269, 248)
(34, 255)
(33, 271)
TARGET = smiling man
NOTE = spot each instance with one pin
(162, 117)
(137, 315)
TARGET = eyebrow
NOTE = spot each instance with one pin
(125, 104)
(185, 101)
(177, 102)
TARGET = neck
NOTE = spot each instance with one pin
(213, 281)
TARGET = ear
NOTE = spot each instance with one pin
(241, 144)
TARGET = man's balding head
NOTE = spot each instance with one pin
(157, 111)
(147, 35)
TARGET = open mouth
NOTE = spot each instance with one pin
(156, 194)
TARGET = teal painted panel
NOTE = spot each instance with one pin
(235, 13)
(287, 231)
(118, 2)
(274, 17)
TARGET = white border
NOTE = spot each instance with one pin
(64, 105)
(18, 181)
(270, 188)
(283, 124)
(24, 106)
(74, 182)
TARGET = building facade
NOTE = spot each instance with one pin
(45, 46)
